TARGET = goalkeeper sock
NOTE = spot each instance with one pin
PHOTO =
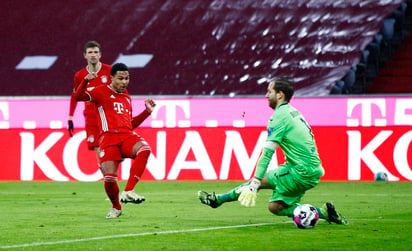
(288, 211)
(232, 195)
(112, 189)
(138, 167)
(322, 213)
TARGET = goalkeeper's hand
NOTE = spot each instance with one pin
(70, 127)
(248, 193)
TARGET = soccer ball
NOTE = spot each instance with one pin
(305, 216)
(381, 176)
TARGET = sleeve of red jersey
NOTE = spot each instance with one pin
(138, 120)
(80, 94)
(73, 102)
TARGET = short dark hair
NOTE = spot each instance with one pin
(284, 85)
(118, 67)
(92, 44)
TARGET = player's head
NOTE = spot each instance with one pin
(92, 52)
(119, 75)
(118, 67)
(279, 90)
(92, 44)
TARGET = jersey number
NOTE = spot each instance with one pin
(306, 124)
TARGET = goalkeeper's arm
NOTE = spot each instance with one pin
(264, 160)
(248, 193)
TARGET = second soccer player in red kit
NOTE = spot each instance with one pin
(94, 74)
(118, 140)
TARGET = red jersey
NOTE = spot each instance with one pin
(103, 78)
(114, 109)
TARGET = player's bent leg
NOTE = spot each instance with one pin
(138, 149)
(280, 208)
(138, 167)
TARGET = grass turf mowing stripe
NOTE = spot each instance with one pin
(34, 244)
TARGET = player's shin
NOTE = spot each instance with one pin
(112, 189)
(233, 194)
(323, 214)
(288, 212)
(138, 167)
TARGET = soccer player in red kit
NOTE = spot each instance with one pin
(118, 140)
(94, 74)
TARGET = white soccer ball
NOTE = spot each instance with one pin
(305, 216)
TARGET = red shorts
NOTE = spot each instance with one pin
(117, 146)
(92, 131)
(92, 134)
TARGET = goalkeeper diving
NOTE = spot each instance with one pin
(302, 170)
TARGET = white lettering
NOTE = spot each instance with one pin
(29, 155)
(125, 168)
(70, 153)
(400, 155)
(234, 143)
(356, 154)
(193, 141)
(157, 165)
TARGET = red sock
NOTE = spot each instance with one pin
(112, 189)
(138, 167)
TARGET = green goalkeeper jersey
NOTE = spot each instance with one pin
(288, 128)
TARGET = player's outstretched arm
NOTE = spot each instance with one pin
(248, 194)
(138, 120)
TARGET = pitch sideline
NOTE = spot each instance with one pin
(35, 244)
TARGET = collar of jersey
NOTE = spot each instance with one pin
(111, 88)
(284, 103)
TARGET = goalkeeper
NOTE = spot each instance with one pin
(302, 170)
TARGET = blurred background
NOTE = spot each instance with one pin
(223, 48)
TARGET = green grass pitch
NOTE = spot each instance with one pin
(71, 216)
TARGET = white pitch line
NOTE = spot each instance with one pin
(34, 244)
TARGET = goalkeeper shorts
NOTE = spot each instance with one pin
(289, 186)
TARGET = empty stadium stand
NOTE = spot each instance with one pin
(188, 47)
(396, 75)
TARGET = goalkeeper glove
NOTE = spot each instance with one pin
(70, 127)
(248, 193)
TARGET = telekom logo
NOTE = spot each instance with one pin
(171, 107)
(118, 107)
(366, 106)
(373, 112)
